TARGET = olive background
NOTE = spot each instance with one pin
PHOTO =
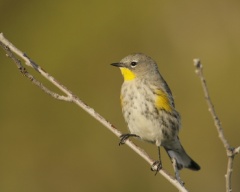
(53, 146)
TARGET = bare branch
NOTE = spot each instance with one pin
(29, 76)
(228, 175)
(236, 150)
(217, 121)
(11, 51)
(231, 152)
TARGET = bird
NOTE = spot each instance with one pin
(149, 110)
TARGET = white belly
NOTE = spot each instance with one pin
(142, 116)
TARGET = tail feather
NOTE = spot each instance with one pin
(194, 166)
(178, 153)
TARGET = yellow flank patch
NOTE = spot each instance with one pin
(127, 74)
(162, 101)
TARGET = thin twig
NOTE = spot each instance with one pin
(70, 97)
(231, 152)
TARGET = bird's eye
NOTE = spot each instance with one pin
(133, 64)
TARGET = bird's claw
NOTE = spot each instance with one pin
(156, 166)
(125, 137)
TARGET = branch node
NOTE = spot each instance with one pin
(197, 64)
(237, 150)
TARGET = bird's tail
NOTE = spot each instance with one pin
(177, 152)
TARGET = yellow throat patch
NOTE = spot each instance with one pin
(127, 74)
(162, 101)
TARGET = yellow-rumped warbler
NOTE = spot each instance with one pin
(149, 110)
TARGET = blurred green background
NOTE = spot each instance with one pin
(53, 146)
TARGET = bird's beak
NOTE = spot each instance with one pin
(117, 64)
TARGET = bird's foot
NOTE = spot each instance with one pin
(124, 137)
(156, 166)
